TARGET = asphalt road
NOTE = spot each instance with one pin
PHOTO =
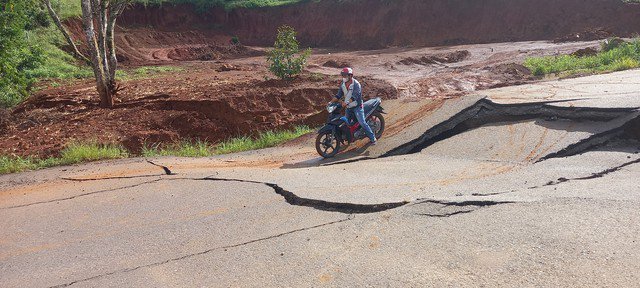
(482, 207)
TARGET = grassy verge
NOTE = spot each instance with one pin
(622, 57)
(92, 151)
(72, 154)
(234, 145)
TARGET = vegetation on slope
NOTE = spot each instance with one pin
(615, 55)
(74, 153)
(93, 151)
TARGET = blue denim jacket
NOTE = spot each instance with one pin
(356, 94)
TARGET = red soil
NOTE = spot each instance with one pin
(201, 104)
(367, 24)
(224, 98)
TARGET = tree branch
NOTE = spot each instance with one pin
(65, 33)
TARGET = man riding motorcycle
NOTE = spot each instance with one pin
(350, 96)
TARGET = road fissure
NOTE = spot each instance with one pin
(126, 270)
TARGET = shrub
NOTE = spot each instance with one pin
(611, 43)
(235, 40)
(282, 59)
(16, 55)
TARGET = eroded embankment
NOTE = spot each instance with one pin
(367, 24)
(203, 105)
(486, 112)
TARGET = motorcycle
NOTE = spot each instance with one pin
(339, 131)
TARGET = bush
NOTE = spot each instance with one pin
(282, 59)
(235, 40)
(16, 55)
(611, 43)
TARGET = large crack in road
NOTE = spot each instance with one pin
(485, 112)
(293, 199)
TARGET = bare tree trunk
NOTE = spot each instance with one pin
(65, 33)
(114, 11)
(106, 99)
(103, 14)
(111, 48)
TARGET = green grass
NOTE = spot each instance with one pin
(67, 8)
(77, 152)
(626, 56)
(203, 149)
(264, 140)
(182, 149)
(72, 154)
(146, 72)
(57, 63)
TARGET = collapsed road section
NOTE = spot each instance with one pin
(485, 112)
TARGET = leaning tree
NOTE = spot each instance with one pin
(99, 22)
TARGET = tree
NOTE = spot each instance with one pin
(102, 14)
(282, 60)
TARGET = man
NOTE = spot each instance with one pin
(350, 96)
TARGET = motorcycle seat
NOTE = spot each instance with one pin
(371, 104)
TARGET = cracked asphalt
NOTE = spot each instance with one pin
(483, 206)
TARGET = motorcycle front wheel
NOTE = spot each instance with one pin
(327, 144)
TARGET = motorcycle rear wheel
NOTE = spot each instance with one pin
(376, 122)
(327, 144)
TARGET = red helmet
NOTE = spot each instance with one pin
(346, 71)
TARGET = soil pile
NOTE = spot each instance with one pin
(438, 59)
(585, 52)
(336, 64)
(373, 24)
(512, 70)
(589, 35)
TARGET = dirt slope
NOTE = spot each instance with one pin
(198, 103)
(366, 24)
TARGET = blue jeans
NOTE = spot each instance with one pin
(359, 113)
